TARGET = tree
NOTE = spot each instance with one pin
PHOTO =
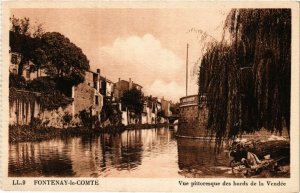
(175, 108)
(66, 61)
(39, 59)
(51, 51)
(25, 39)
(111, 112)
(134, 100)
(248, 80)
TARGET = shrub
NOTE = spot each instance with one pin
(41, 84)
(86, 118)
(66, 119)
(36, 123)
(17, 81)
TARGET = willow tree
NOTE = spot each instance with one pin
(247, 77)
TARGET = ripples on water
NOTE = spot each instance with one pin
(134, 153)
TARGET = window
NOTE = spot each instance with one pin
(27, 74)
(15, 71)
(97, 100)
(14, 59)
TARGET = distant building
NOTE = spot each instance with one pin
(28, 74)
(123, 85)
(106, 87)
(151, 109)
(165, 107)
(15, 59)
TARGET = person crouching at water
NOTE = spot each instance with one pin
(246, 157)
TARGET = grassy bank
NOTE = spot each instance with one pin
(24, 133)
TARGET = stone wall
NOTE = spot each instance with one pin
(85, 98)
(193, 117)
(22, 110)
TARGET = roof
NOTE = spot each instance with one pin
(135, 84)
(104, 78)
(91, 71)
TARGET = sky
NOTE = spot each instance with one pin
(147, 45)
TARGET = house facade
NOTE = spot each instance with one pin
(106, 87)
(87, 95)
(123, 85)
(28, 74)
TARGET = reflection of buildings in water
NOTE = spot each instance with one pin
(90, 155)
(36, 159)
(195, 154)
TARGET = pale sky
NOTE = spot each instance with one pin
(147, 45)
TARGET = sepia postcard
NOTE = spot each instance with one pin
(141, 96)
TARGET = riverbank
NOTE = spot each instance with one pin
(26, 133)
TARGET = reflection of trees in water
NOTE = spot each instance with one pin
(123, 151)
(173, 130)
(29, 159)
(89, 155)
(131, 149)
(194, 154)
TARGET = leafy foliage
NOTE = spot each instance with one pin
(17, 81)
(111, 112)
(174, 108)
(43, 90)
(247, 81)
(87, 119)
(42, 84)
(51, 51)
(62, 60)
(53, 100)
(67, 118)
(66, 60)
(134, 100)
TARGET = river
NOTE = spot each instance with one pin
(147, 153)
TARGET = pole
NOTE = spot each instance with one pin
(187, 64)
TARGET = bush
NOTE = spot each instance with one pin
(36, 123)
(17, 81)
(41, 84)
(111, 112)
(53, 100)
(86, 118)
(66, 119)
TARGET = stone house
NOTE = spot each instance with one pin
(15, 59)
(106, 87)
(123, 85)
(87, 95)
(151, 110)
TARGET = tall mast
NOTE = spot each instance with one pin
(187, 64)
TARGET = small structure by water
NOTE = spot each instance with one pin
(193, 116)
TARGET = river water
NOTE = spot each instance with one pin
(134, 153)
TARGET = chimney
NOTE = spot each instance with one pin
(119, 84)
(98, 71)
(130, 84)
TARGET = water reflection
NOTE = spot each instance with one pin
(132, 153)
(40, 159)
(197, 158)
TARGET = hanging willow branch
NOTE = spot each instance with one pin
(248, 82)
